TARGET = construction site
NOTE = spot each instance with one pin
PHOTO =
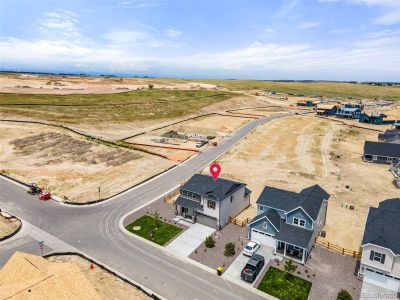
(26, 276)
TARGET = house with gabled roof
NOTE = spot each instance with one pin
(211, 202)
(289, 222)
(381, 153)
(348, 112)
(380, 260)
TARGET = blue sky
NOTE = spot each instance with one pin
(269, 39)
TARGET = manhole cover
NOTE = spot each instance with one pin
(136, 228)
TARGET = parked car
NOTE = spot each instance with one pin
(251, 248)
(201, 144)
(252, 268)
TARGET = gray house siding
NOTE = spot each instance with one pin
(262, 209)
(232, 209)
(298, 213)
(259, 226)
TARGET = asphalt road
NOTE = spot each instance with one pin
(94, 230)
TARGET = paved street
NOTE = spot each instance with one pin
(94, 230)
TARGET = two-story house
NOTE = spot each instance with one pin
(211, 202)
(380, 260)
(350, 113)
(289, 222)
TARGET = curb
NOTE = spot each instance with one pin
(12, 233)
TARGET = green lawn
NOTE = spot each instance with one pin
(284, 286)
(162, 235)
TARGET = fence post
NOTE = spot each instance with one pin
(328, 245)
(343, 251)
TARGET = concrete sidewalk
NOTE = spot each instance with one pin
(190, 239)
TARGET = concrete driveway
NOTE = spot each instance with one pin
(190, 239)
(371, 291)
(234, 270)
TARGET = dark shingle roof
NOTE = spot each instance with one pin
(382, 149)
(216, 189)
(272, 216)
(188, 203)
(314, 195)
(310, 199)
(383, 226)
(294, 235)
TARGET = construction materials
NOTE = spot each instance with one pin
(34, 189)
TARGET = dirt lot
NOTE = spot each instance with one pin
(72, 84)
(71, 166)
(214, 125)
(297, 152)
(105, 284)
(8, 226)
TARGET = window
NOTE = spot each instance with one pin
(211, 204)
(265, 225)
(378, 257)
(261, 208)
(231, 198)
(299, 222)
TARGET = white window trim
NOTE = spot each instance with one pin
(265, 225)
(377, 257)
(298, 222)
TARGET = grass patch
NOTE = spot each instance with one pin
(119, 107)
(284, 286)
(162, 235)
(328, 89)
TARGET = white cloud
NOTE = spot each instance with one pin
(138, 3)
(173, 33)
(133, 38)
(389, 9)
(62, 22)
(308, 25)
(287, 7)
(269, 30)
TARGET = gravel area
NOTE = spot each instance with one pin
(214, 257)
(329, 272)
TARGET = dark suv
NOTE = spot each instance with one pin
(252, 268)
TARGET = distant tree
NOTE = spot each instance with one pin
(210, 242)
(229, 249)
(151, 86)
(344, 295)
(290, 267)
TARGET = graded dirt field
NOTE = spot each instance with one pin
(74, 84)
(296, 152)
(7, 227)
(106, 285)
(72, 166)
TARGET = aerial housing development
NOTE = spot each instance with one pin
(208, 150)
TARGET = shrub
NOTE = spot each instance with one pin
(344, 295)
(290, 267)
(229, 249)
(210, 242)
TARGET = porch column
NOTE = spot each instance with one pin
(284, 251)
(303, 256)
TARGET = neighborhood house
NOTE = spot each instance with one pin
(347, 112)
(383, 153)
(289, 222)
(380, 261)
(211, 202)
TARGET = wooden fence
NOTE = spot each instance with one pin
(242, 223)
(338, 249)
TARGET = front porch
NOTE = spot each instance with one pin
(290, 251)
(186, 213)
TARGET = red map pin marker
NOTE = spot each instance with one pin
(215, 169)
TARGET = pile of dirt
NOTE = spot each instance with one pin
(27, 276)
(54, 148)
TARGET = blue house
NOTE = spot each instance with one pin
(375, 118)
(350, 113)
(289, 222)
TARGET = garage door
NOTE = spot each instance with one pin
(206, 220)
(381, 280)
(263, 238)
